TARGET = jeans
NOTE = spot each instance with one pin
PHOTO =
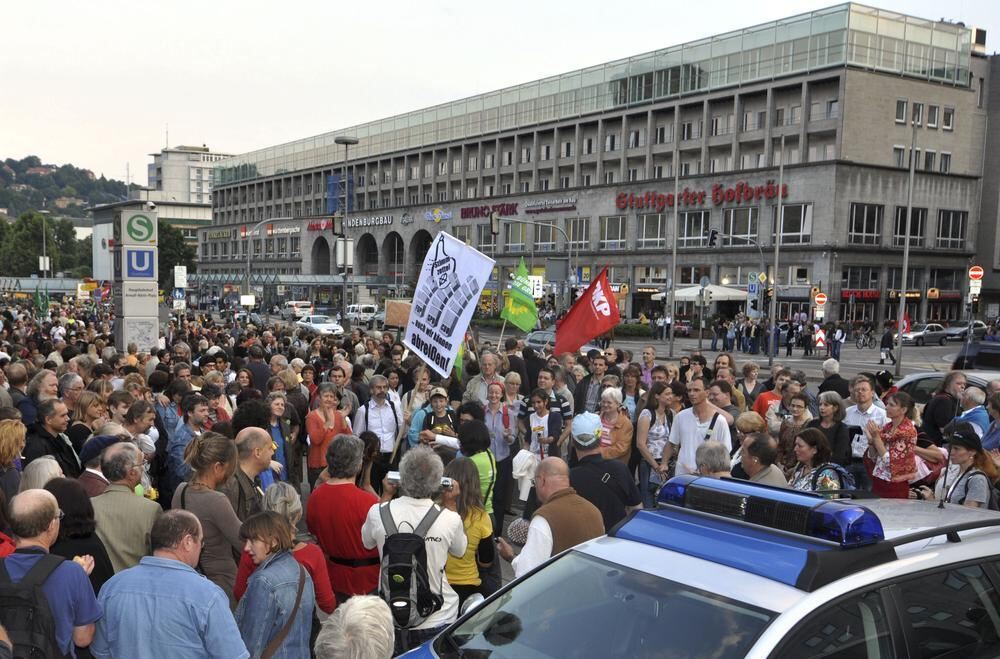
(860, 474)
(647, 491)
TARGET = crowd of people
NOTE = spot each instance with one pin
(248, 491)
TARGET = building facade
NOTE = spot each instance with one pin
(591, 160)
(184, 173)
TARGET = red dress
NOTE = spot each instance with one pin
(335, 515)
(900, 445)
(311, 558)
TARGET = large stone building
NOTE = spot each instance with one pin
(594, 153)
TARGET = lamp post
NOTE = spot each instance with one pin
(496, 219)
(673, 250)
(779, 224)
(45, 255)
(906, 245)
(250, 235)
(342, 255)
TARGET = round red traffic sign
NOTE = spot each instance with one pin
(820, 299)
(976, 272)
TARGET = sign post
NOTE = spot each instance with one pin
(135, 293)
(976, 273)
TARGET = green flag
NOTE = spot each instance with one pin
(38, 299)
(520, 308)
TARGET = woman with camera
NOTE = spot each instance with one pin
(971, 478)
(465, 498)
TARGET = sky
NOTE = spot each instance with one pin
(102, 84)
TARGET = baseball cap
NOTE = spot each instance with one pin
(438, 391)
(95, 446)
(587, 429)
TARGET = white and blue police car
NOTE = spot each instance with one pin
(726, 568)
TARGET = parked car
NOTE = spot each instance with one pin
(254, 318)
(321, 325)
(297, 309)
(539, 339)
(923, 386)
(361, 314)
(960, 331)
(925, 333)
(378, 320)
(682, 328)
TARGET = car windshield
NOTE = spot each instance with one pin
(571, 607)
(320, 320)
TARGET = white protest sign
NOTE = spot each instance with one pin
(451, 279)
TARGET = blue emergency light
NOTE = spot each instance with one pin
(796, 538)
(841, 521)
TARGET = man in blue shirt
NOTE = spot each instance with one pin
(35, 519)
(162, 607)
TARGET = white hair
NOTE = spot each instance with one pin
(360, 628)
(831, 366)
(39, 472)
(974, 395)
(613, 394)
(420, 473)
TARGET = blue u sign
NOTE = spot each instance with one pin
(140, 263)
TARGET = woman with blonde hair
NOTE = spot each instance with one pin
(102, 388)
(89, 414)
(12, 434)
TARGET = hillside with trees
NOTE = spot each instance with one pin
(29, 184)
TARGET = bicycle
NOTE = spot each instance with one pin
(867, 340)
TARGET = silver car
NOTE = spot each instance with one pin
(960, 331)
(925, 333)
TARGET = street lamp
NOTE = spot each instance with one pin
(342, 247)
(906, 244)
(45, 257)
(496, 219)
(779, 225)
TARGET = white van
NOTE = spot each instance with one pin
(361, 313)
(296, 309)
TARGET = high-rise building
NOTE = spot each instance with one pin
(184, 173)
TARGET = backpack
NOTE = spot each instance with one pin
(25, 612)
(846, 479)
(403, 580)
(994, 501)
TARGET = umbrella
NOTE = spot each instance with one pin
(719, 293)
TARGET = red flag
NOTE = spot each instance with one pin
(906, 322)
(593, 314)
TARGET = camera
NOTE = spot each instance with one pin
(393, 477)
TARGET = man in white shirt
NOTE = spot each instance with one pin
(863, 411)
(693, 426)
(381, 416)
(420, 473)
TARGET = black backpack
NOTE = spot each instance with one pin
(403, 580)
(25, 612)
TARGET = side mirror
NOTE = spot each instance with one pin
(473, 602)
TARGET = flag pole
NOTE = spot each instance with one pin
(500, 340)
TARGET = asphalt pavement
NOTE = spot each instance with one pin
(915, 359)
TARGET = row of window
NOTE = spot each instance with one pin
(284, 247)
(936, 115)
(869, 277)
(927, 161)
(865, 227)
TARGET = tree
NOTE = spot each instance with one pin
(173, 251)
(21, 247)
(66, 245)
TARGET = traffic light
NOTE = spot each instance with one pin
(713, 238)
(708, 296)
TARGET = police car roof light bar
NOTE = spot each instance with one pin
(846, 524)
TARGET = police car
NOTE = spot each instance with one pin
(727, 568)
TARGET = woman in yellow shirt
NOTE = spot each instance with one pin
(466, 499)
